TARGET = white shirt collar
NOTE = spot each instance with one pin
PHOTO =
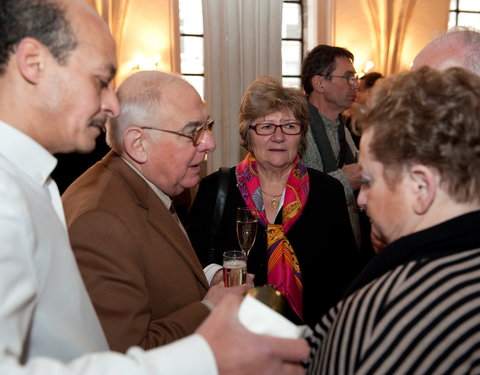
(25, 153)
(166, 200)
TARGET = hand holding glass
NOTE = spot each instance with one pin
(234, 268)
(246, 228)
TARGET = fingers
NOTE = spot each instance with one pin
(218, 278)
(292, 369)
(221, 322)
(290, 350)
(218, 292)
(240, 289)
(282, 369)
(239, 351)
(230, 304)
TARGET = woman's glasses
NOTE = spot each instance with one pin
(267, 128)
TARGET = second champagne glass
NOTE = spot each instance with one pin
(234, 267)
(246, 228)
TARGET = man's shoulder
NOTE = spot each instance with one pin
(93, 180)
(101, 188)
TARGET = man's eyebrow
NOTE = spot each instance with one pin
(351, 72)
(111, 71)
(192, 124)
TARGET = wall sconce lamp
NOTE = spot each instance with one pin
(142, 62)
(366, 68)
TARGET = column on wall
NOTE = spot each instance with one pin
(114, 12)
(389, 20)
(388, 33)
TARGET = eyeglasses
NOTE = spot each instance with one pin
(351, 78)
(267, 128)
(195, 135)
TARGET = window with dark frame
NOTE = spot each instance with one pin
(464, 13)
(191, 43)
(192, 48)
(292, 42)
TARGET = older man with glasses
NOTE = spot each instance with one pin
(330, 83)
(144, 278)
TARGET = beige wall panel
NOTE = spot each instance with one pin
(429, 20)
(149, 32)
(354, 29)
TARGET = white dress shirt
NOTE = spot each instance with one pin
(47, 322)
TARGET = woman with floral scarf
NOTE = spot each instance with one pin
(304, 245)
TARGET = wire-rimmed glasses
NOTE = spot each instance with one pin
(352, 79)
(195, 135)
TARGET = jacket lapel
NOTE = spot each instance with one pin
(159, 217)
(162, 220)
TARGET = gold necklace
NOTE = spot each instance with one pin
(275, 201)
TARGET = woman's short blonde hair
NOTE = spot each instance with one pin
(266, 95)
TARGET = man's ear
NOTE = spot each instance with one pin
(134, 144)
(424, 187)
(317, 83)
(30, 55)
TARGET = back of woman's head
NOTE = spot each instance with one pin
(427, 117)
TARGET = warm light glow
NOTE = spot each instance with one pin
(368, 66)
(139, 62)
(142, 62)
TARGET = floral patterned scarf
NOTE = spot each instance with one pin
(283, 268)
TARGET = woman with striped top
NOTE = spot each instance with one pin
(415, 308)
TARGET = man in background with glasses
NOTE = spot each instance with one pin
(330, 83)
(143, 276)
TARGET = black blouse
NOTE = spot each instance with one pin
(322, 239)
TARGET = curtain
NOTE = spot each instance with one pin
(242, 41)
(114, 12)
(389, 20)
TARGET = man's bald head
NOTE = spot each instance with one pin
(144, 96)
(459, 47)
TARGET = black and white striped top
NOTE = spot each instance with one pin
(421, 316)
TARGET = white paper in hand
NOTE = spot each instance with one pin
(261, 319)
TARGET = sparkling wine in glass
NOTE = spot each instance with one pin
(234, 267)
(246, 228)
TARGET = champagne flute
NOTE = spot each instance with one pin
(246, 228)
